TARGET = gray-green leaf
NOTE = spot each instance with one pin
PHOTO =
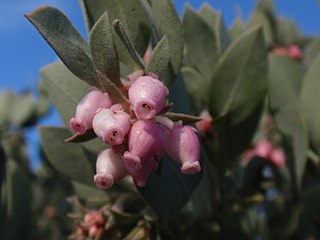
(240, 80)
(103, 49)
(168, 21)
(69, 159)
(66, 41)
(309, 101)
(285, 107)
(201, 43)
(168, 191)
(160, 62)
(64, 89)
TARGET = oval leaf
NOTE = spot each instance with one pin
(285, 108)
(215, 20)
(129, 13)
(19, 202)
(160, 62)
(237, 28)
(201, 43)
(197, 86)
(103, 49)
(169, 24)
(240, 81)
(64, 89)
(66, 41)
(70, 160)
(309, 99)
(168, 191)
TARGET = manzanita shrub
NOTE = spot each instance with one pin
(133, 96)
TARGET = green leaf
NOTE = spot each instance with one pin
(103, 49)
(179, 96)
(223, 37)
(287, 32)
(169, 24)
(6, 100)
(22, 109)
(201, 43)
(215, 21)
(204, 197)
(295, 72)
(66, 41)
(284, 104)
(19, 203)
(64, 89)
(312, 51)
(265, 15)
(260, 18)
(234, 139)
(69, 159)
(130, 13)
(197, 86)
(309, 98)
(168, 191)
(240, 80)
(160, 62)
(237, 28)
(209, 14)
(86, 192)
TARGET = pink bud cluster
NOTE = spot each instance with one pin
(292, 51)
(91, 225)
(267, 151)
(139, 138)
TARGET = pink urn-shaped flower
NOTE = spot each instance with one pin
(111, 126)
(182, 145)
(147, 95)
(110, 169)
(145, 141)
(86, 109)
(141, 175)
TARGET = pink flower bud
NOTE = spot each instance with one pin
(147, 55)
(93, 217)
(182, 145)
(86, 109)
(263, 149)
(147, 96)
(110, 169)
(93, 231)
(111, 126)
(278, 158)
(141, 175)
(145, 141)
(294, 52)
(205, 125)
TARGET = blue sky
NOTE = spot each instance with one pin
(24, 52)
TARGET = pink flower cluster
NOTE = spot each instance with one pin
(91, 225)
(267, 151)
(138, 138)
(292, 51)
